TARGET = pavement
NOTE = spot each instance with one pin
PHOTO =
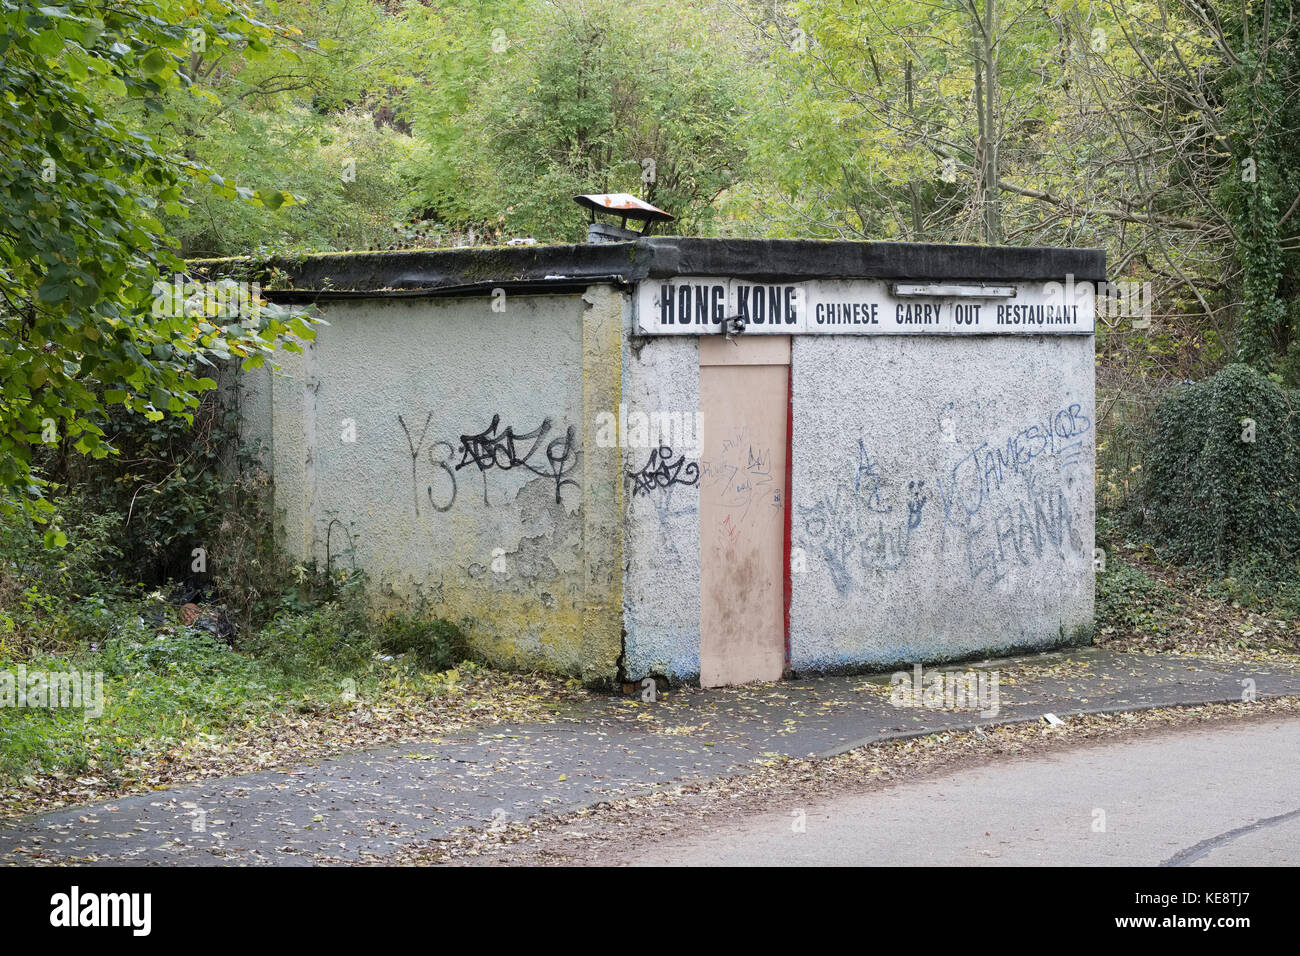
(370, 802)
(1217, 796)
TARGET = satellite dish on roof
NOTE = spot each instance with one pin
(624, 205)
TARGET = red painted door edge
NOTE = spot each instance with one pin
(789, 472)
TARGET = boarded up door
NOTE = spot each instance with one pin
(744, 398)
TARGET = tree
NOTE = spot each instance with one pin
(904, 112)
(1207, 114)
(579, 97)
(1161, 130)
(1260, 86)
(317, 115)
(83, 319)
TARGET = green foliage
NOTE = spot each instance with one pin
(54, 597)
(1269, 586)
(1262, 117)
(1289, 367)
(1128, 597)
(1261, 181)
(133, 646)
(173, 484)
(344, 171)
(871, 129)
(164, 681)
(137, 519)
(334, 636)
(337, 632)
(159, 684)
(1209, 491)
(81, 244)
(434, 645)
(579, 97)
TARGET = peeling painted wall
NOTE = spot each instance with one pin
(941, 492)
(440, 445)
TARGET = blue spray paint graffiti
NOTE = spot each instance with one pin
(855, 529)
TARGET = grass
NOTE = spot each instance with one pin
(166, 684)
(312, 671)
(157, 689)
(180, 706)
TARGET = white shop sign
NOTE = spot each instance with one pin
(693, 305)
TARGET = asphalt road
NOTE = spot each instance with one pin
(1204, 797)
(369, 802)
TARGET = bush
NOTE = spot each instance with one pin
(433, 644)
(1128, 597)
(56, 596)
(134, 520)
(1269, 588)
(334, 636)
(169, 485)
(135, 647)
(1214, 489)
(339, 635)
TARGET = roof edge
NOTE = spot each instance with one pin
(537, 267)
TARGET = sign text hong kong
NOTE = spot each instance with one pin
(690, 305)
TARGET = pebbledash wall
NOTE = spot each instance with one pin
(515, 437)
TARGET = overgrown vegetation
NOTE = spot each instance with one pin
(165, 681)
(81, 243)
(1149, 604)
(1199, 519)
(144, 131)
(1221, 474)
(265, 636)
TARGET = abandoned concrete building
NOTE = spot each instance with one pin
(707, 460)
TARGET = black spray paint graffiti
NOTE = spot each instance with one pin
(348, 546)
(414, 448)
(492, 449)
(486, 450)
(661, 471)
(445, 464)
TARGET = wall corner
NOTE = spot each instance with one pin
(602, 483)
(293, 449)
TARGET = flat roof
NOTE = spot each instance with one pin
(570, 268)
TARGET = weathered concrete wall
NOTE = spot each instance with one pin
(942, 495)
(942, 501)
(941, 488)
(602, 486)
(661, 591)
(440, 445)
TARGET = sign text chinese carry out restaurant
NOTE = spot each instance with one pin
(699, 306)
